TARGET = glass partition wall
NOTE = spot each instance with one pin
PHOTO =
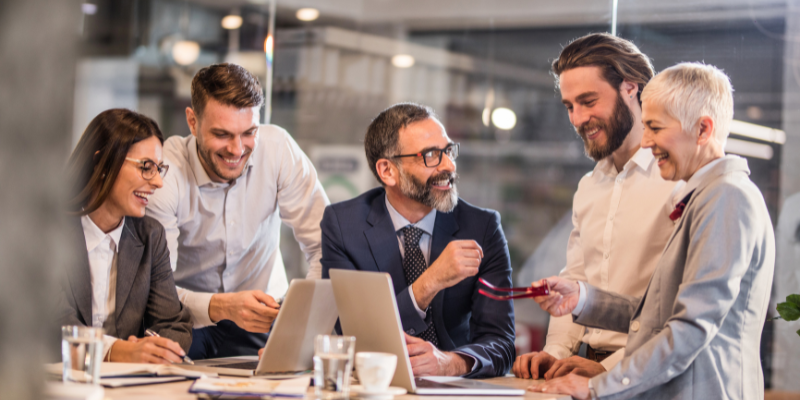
(331, 66)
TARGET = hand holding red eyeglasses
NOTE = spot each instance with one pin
(525, 292)
(563, 296)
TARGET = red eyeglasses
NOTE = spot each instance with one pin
(528, 292)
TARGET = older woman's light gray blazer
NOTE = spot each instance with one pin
(695, 334)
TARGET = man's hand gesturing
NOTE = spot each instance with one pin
(252, 310)
(459, 260)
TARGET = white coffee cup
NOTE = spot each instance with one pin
(375, 370)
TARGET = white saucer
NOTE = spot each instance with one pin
(388, 393)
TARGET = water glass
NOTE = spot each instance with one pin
(333, 363)
(82, 354)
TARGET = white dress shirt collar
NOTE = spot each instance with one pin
(200, 174)
(400, 222)
(643, 158)
(94, 235)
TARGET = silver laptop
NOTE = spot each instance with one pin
(308, 310)
(368, 311)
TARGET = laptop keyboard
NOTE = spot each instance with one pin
(252, 365)
(241, 365)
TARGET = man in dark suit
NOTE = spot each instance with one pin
(434, 245)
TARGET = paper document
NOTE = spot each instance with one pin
(116, 370)
(251, 387)
(123, 382)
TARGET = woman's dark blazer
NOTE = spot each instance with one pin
(146, 297)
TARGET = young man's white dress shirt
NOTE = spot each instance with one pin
(620, 227)
(224, 237)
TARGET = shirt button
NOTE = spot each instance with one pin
(230, 252)
(412, 331)
(626, 381)
(635, 326)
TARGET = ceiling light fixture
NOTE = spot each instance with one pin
(232, 22)
(504, 118)
(185, 52)
(403, 61)
(89, 8)
(749, 149)
(759, 132)
(307, 14)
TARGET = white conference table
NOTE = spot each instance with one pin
(180, 391)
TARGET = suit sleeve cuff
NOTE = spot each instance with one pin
(413, 323)
(421, 313)
(581, 300)
(197, 303)
(474, 362)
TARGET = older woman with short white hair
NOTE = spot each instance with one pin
(695, 334)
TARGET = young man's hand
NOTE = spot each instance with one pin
(533, 365)
(251, 310)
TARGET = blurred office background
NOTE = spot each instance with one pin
(332, 65)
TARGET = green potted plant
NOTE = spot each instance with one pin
(790, 309)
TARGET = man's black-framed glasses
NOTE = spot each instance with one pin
(149, 168)
(433, 157)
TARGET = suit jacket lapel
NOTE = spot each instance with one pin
(80, 278)
(383, 243)
(443, 233)
(128, 259)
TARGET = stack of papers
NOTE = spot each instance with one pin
(113, 374)
(251, 387)
(120, 370)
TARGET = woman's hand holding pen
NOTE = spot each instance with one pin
(153, 350)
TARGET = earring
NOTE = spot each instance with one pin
(103, 176)
(631, 96)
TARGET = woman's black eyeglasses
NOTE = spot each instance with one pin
(149, 168)
(433, 157)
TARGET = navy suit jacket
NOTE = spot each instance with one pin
(358, 234)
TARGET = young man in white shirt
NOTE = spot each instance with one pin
(234, 181)
(618, 235)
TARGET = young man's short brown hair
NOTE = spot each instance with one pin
(229, 84)
(619, 60)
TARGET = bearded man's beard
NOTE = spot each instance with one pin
(440, 200)
(617, 128)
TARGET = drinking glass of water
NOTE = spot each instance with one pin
(333, 363)
(82, 353)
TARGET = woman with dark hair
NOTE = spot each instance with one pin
(122, 281)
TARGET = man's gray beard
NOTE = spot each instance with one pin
(442, 201)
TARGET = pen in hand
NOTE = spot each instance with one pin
(186, 359)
